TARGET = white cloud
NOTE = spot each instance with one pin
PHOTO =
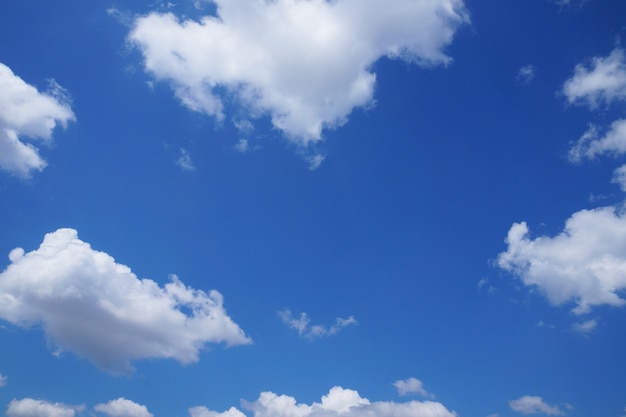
(205, 412)
(345, 403)
(99, 309)
(3, 380)
(526, 74)
(603, 81)
(592, 143)
(26, 112)
(619, 177)
(585, 263)
(184, 161)
(29, 407)
(529, 404)
(242, 146)
(122, 407)
(411, 386)
(305, 63)
(585, 327)
(304, 328)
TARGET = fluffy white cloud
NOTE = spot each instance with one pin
(586, 263)
(603, 81)
(29, 407)
(411, 386)
(99, 309)
(26, 112)
(343, 402)
(122, 407)
(593, 143)
(529, 404)
(305, 63)
(303, 325)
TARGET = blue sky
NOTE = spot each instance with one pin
(311, 208)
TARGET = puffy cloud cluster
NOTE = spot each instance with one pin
(411, 386)
(585, 263)
(304, 328)
(604, 81)
(305, 63)
(529, 404)
(122, 407)
(29, 407)
(338, 402)
(99, 309)
(26, 112)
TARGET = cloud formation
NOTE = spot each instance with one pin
(99, 309)
(122, 407)
(3, 380)
(26, 112)
(585, 263)
(305, 63)
(526, 74)
(601, 82)
(411, 386)
(29, 407)
(529, 404)
(304, 328)
(341, 402)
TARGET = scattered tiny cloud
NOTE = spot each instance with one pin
(529, 404)
(3, 380)
(302, 325)
(411, 386)
(526, 74)
(585, 327)
(184, 161)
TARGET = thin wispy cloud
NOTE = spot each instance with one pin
(302, 324)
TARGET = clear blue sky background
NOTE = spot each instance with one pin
(398, 233)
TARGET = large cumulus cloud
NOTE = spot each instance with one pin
(99, 309)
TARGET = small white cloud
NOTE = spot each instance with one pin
(205, 412)
(593, 143)
(304, 328)
(184, 161)
(99, 309)
(315, 161)
(242, 146)
(586, 263)
(122, 407)
(529, 404)
(619, 177)
(602, 81)
(3, 380)
(411, 386)
(526, 74)
(29, 407)
(28, 113)
(305, 64)
(585, 327)
(244, 126)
